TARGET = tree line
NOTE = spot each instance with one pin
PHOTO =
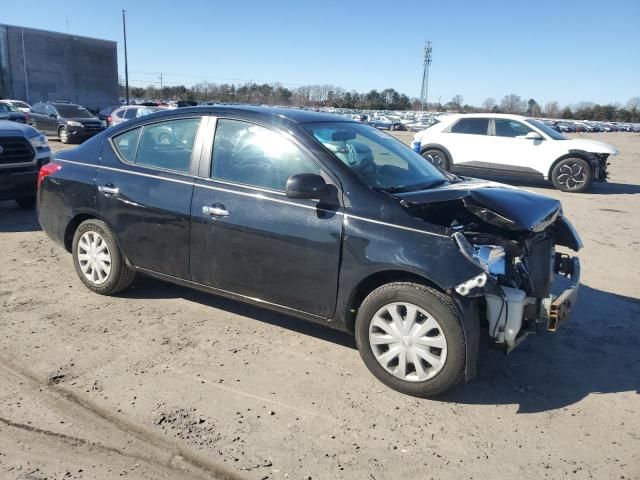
(512, 103)
(277, 94)
(388, 99)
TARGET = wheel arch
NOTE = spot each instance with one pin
(582, 154)
(75, 222)
(369, 283)
(436, 146)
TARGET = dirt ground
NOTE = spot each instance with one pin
(164, 382)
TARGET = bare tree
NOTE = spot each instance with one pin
(456, 101)
(488, 104)
(633, 104)
(552, 109)
(513, 103)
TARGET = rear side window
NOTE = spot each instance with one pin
(252, 155)
(471, 126)
(127, 143)
(39, 108)
(130, 113)
(164, 145)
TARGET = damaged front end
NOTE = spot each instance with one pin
(512, 234)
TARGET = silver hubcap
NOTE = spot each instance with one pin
(94, 257)
(408, 342)
(63, 134)
(572, 175)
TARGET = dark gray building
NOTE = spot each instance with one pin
(37, 65)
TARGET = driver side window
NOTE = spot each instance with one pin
(253, 155)
(510, 128)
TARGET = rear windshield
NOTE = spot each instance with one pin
(73, 111)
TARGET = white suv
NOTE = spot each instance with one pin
(511, 146)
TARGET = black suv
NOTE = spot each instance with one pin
(319, 217)
(70, 122)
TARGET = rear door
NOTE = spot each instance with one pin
(249, 238)
(469, 143)
(39, 116)
(145, 182)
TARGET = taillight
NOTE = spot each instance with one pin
(47, 170)
(109, 120)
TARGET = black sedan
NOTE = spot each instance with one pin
(319, 217)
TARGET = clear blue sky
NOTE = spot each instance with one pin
(562, 50)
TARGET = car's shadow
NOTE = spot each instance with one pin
(608, 188)
(150, 288)
(16, 219)
(596, 352)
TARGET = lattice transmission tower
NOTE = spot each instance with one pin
(424, 93)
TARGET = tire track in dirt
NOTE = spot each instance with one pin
(113, 434)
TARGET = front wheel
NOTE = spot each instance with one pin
(572, 175)
(63, 134)
(98, 260)
(411, 338)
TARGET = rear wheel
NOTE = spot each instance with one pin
(26, 202)
(411, 338)
(572, 175)
(98, 260)
(438, 158)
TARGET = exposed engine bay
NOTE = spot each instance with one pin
(512, 235)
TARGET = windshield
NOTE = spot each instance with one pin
(73, 111)
(546, 129)
(378, 159)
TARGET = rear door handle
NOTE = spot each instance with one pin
(108, 189)
(215, 210)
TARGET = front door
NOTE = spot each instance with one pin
(249, 239)
(513, 154)
(145, 182)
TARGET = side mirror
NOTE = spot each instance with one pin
(306, 185)
(53, 115)
(533, 136)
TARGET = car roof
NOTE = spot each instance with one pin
(275, 115)
(488, 115)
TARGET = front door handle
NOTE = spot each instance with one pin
(215, 210)
(108, 189)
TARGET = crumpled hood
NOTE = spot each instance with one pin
(527, 210)
(591, 146)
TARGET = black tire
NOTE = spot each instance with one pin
(26, 202)
(437, 157)
(572, 175)
(63, 135)
(442, 309)
(121, 275)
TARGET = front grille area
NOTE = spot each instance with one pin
(15, 150)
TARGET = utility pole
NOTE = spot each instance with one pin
(424, 92)
(160, 80)
(126, 63)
